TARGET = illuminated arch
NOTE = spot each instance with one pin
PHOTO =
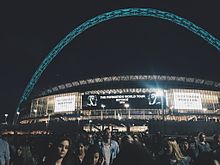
(108, 16)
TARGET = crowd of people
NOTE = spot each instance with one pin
(107, 148)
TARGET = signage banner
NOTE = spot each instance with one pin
(190, 101)
(118, 101)
(64, 103)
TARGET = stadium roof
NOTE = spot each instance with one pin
(170, 81)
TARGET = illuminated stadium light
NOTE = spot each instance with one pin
(160, 92)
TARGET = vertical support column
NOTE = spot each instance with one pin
(31, 108)
(143, 114)
(101, 114)
(47, 106)
(163, 111)
(103, 107)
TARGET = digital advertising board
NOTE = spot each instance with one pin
(117, 101)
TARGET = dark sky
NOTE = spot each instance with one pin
(131, 45)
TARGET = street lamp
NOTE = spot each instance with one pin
(35, 113)
(48, 120)
(90, 126)
(18, 113)
(6, 115)
(126, 105)
(103, 107)
(78, 120)
(119, 117)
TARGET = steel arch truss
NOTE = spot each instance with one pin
(108, 16)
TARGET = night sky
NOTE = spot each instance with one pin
(131, 45)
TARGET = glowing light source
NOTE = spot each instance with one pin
(6, 115)
(103, 106)
(126, 105)
(159, 92)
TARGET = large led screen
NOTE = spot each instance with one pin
(190, 101)
(64, 103)
(118, 101)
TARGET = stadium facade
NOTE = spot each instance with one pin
(127, 97)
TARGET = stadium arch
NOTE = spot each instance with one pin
(148, 12)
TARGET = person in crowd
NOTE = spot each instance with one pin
(216, 146)
(172, 154)
(206, 158)
(118, 139)
(94, 156)
(80, 152)
(109, 147)
(132, 153)
(27, 154)
(188, 149)
(156, 144)
(185, 148)
(193, 147)
(47, 151)
(125, 140)
(136, 139)
(216, 141)
(61, 153)
(18, 158)
(4, 152)
(203, 145)
(89, 141)
(26, 151)
(12, 148)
